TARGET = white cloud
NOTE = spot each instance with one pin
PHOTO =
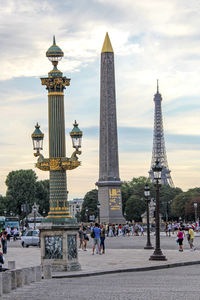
(151, 39)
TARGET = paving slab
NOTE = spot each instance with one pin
(113, 260)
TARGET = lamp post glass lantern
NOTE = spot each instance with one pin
(157, 170)
(147, 197)
(37, 138)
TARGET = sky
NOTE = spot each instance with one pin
(152, 39)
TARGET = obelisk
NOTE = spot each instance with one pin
(109, 183)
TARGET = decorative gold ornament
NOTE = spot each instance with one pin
(58, 163)
(55, 83)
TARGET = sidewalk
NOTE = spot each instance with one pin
(115, 260)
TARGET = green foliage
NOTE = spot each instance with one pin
(134, 187)
(190, 210)
(167, 195)
(89, 202)
(135, 207)
(42, 196)
(182, 202)
(21, 188)
(3, 207)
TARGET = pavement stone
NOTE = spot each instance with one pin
(112, 260)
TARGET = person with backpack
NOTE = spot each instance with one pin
(190, 237)
(95, 234)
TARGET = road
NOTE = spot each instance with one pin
(169, 284)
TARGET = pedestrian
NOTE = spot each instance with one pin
(180, 239)
(142, 230)
(166, 228)
(4, 242)
(8, 230)
(15, 233)
(102, 238)
(169, 228)
(80, 235)
(85, 239)
(2, 260)
(190, 237)
(136, 229)
(96, 238)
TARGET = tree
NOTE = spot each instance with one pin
(3, 206)
(42, 196)
(167, 195)
(180, 205)
(90, 203)
(189, 208)
(135, 207)
(21, 188)
(134, 187)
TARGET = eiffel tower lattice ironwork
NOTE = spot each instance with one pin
(159, 151)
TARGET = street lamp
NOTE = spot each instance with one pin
(86, 211)
(157, 169)
(98, 207)
(37, 138)
(195, 209)
(147, 197)
(34, 211)
(77, 212)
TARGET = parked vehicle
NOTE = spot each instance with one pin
(30, 238)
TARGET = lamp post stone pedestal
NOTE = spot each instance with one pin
(59, 246)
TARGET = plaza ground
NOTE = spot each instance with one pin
(122, 253)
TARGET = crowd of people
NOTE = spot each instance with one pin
(99, 232)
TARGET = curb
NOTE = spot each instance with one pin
(139, 269)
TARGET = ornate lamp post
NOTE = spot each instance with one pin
(157, 255)
(87, 216)
(195, 209)
(34, 213)
(147, 197)
(98, 207)
(59, 236)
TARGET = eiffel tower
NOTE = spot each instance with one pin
(159, 151)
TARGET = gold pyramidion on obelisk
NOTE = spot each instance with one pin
(107, 47)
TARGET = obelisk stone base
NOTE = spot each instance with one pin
(109, 196)
(59, 246)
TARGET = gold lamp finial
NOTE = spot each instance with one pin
(107, 47)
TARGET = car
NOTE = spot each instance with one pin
(30, 238)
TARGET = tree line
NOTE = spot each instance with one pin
(24, 187)
(174, 203)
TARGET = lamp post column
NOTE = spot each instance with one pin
(157, 255)
(147, 196)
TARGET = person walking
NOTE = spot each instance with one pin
(4, 242)
(8, 230)
(96, 238)
(166, 228)
(80, 235)
(190, 237)
(102, 239)
(180, 239)
(169, 228)
(85, 239)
